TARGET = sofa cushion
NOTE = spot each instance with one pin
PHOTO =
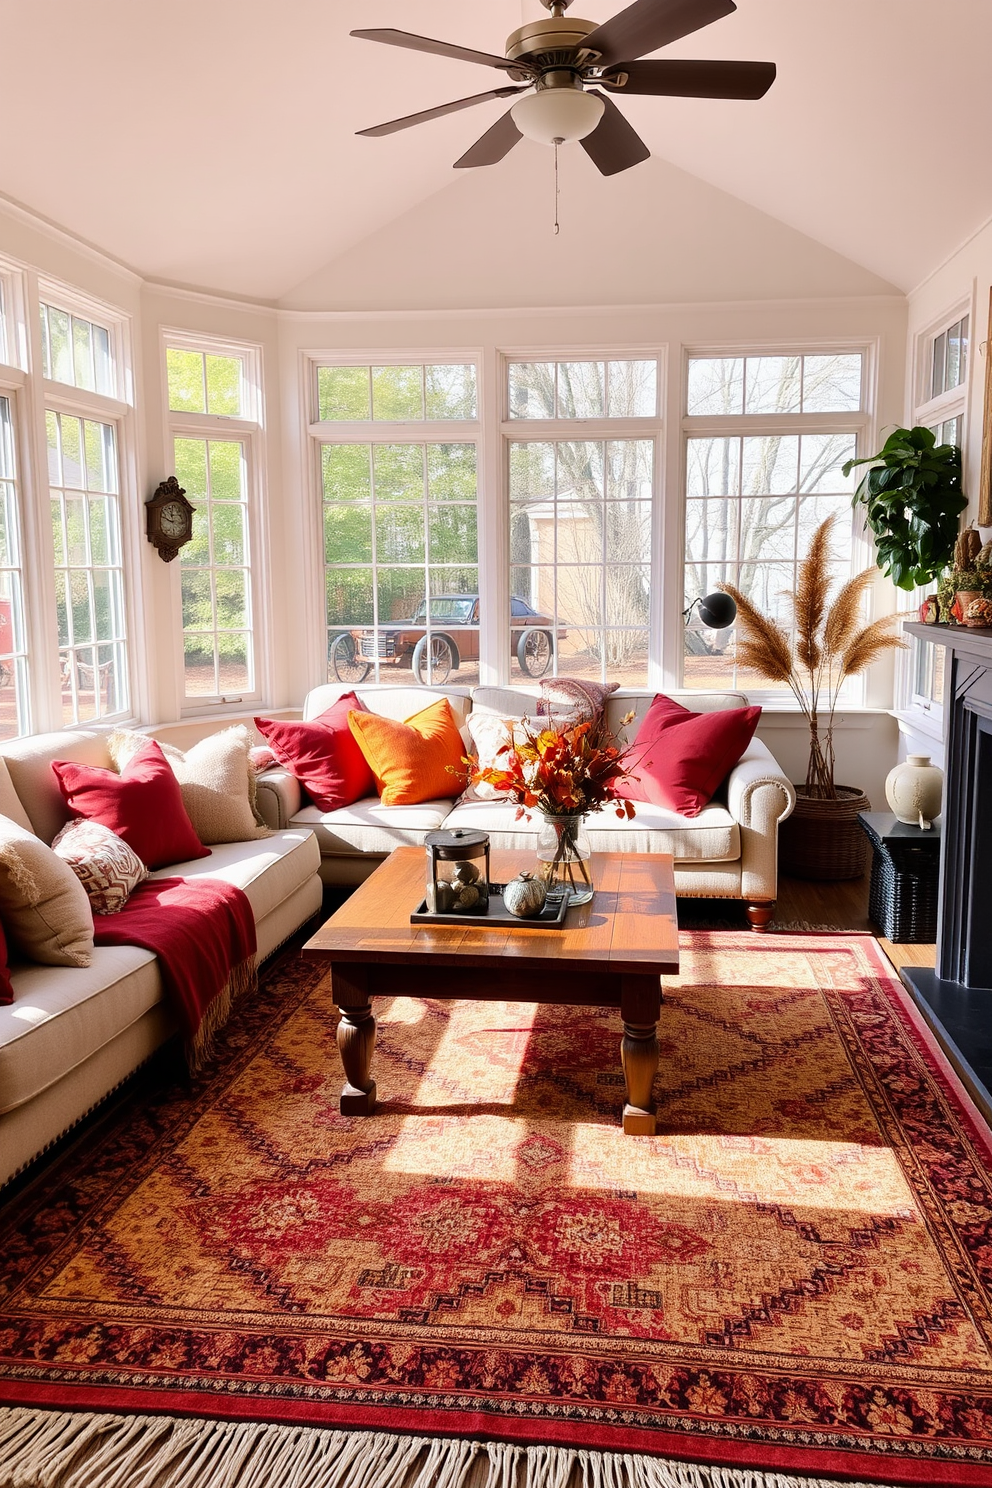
(216, 779)
(29, 764)
(418, 760)
(711, 837)
(681, 757)
(59, 1018)
(43, 905)
(143, 804)
(490, 734)
(324, 755)
(369, 827)
(106, 867)
(389, 701)
(268, 870)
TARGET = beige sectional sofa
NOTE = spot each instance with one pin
(729, 851)
(73, 1034)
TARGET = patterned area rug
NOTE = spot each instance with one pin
(794, 1275)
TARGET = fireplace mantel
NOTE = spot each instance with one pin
(956, 997)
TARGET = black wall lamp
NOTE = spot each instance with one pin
(716, 611)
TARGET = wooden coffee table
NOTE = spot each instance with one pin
(611, 952)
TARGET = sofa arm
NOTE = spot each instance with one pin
(279, 798)
(759, 796)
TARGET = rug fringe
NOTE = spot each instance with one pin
(200, 1048)
(58, 1449)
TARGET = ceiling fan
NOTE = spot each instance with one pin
(563, 64)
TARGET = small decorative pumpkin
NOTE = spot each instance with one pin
(524, 896)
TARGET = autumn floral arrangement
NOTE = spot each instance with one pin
(561, 772)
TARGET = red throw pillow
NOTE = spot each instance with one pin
(6, 987)
(682, 757)
(143, 805)
(323, 754)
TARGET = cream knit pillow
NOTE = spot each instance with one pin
(216, 778)
(43, 906)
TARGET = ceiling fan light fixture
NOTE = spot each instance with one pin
(562, 114)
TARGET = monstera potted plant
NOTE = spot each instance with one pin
(822, 839)
(912, 498)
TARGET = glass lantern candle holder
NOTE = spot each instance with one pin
(457, 872)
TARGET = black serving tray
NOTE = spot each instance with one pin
(497, 916)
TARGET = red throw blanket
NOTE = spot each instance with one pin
(203, 932)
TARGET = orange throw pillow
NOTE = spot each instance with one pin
(410, 760)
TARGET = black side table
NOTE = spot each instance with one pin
(902, 898)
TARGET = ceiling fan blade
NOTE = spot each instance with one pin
(649, 24)
(614, 145)
(493, 145)
(443, 49)
(692, 79)
(443, 108)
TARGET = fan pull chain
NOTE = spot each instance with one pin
(557, 189)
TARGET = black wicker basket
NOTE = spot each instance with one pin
(902, 896)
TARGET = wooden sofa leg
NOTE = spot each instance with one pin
(759, 913)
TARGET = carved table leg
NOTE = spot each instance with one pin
(640, 1006)
(356, 1040)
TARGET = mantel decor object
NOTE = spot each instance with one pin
(457, 872)
(169, 519)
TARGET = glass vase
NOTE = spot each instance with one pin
(563, 856)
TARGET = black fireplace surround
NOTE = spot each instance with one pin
(956, 998)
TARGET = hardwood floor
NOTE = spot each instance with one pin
(843, 906)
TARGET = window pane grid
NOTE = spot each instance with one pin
(401, 560)
(792, 384)
(89, 576)
(752, 505)
(218, 646)
(584, 389)
(436, 391)
(205, 382)
(76, 351)
(580, 551)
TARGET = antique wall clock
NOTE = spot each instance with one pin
(169, 518)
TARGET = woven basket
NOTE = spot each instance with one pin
(823, 839)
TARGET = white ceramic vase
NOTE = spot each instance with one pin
(914, 790)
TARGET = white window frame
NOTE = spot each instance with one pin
(861, 423)
(922, 710)
(249, 430)
(318, 432)
(24, 291)
(550, 431)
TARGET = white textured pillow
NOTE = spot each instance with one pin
(106, 867)
(216, 778)
(489, 735)
(43, 905)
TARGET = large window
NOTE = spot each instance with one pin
(766, 439)
(212, 410)
(14, 709)
(581, 517)
(401, 555)
(89, 579)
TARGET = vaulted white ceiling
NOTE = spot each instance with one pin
(211, 143)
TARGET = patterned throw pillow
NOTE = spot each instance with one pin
(104, 864)
(567, 701)
(490, 734)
